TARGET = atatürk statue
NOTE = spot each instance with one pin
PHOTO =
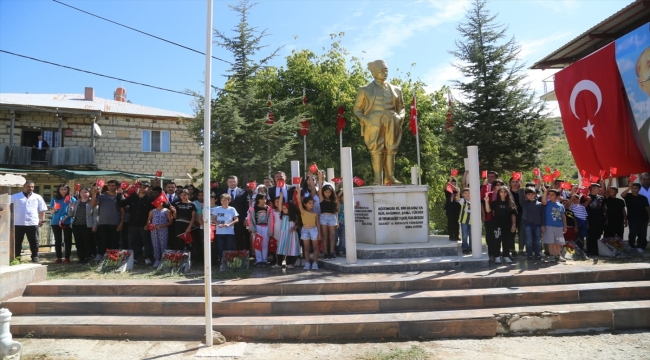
(380, 108)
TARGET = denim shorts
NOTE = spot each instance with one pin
(309, 234)
(328, 219)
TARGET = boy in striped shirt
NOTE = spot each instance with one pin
(465, 225)
(580, 213)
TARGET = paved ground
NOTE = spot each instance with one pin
(634, 345)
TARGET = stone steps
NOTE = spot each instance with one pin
(362, 303)
(324, 305)
(326, 282)
(487, 322)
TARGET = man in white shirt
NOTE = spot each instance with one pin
(29, 215)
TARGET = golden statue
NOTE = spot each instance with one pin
(380, 108)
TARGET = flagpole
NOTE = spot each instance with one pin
(304, 141)
(206, 177)
(417, 141)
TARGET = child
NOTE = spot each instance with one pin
(555, 224)
(160, 218)
(329, 215)
(534, 220)
(60, 222)
(452, 209)
(504, 216)
(580, 215)
(571, 233)
(260, 222)
(340, 228)
(310, 233)
(277, 219)
(288, 241)
(465, 223)
(225, 217)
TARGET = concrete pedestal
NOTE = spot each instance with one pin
(391, 214)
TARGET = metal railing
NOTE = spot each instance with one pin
(57, 156)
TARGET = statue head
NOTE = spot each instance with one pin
(378, 69)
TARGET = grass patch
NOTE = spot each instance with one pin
(413, 353)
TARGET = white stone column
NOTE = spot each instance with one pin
(5, 226)
(295, 169)
(330, 174)
(414, 175)
(475, 199)
(8, 347)
(348, 201)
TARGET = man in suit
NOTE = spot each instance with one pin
(41, 147)
(239, 200)
(380, 109)
(287, 191)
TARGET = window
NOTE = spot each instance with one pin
(155, 141)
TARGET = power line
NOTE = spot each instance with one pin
(140, 31)
(94, 73)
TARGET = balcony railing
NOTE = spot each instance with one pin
(58, 156)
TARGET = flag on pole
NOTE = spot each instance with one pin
(413, 124)
(340, 120)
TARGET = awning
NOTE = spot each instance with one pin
(77, 174)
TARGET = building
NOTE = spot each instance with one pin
(88, 135)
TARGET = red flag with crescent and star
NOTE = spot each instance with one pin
(595, 116)
(340, 120)
(413, 121)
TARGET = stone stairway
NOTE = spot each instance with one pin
(319, 306)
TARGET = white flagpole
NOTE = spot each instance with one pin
(304, 138)
(417, 141)
(206, 177)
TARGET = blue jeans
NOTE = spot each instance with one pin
(340, 234)
(225, 242)
(466, 232)
(533, 239)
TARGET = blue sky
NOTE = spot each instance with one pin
(401, 32)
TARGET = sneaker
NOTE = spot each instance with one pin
(333, 256)
(36, 260)
(491, 259)
(290, 267)
(513, 254)
(639, 250)
(264, 264)
(314, 266)
(66, 261)
(98, 257)
(156, 264)
(497, 260)
(538, 258)
(560, 259)
(58, 261)
(507, 260)
(550, 258)
(529, 258)
(307, 266)
(275, 266)
(147, 262)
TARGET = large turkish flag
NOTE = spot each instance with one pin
(595, 117)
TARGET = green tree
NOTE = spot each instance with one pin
(497, 110)
(241, 142)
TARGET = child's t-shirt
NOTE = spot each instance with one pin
(553, 213)
(341, 214)
(570, 219)
(261, 215)
(465, 212)
(579, 211)
(308, 219)
(502, 211)
(224, 216)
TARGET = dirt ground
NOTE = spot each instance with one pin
(630, 345)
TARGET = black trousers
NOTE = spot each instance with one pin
(64, 234)
(453, 227)
(139, 238)
(107, 238)
(594, 233)
(84, 241)
(638, 233)
(31, 231)
(614, 228)
(242, 237)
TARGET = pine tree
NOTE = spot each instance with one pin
(497, 111)
(242, 143)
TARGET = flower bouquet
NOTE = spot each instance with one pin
(614, 247)
(234, 260)
(116, 261)
(177, 262)
(572, 251)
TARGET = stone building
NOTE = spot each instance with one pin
(87, 134)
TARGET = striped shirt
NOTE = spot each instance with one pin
(579, 211)
(464, 212)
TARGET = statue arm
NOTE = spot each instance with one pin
(399, 104)
(360, 104)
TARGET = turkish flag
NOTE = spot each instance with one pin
(413, 123)
(257, 242)
(340, 120)
(594, 115)
(273, 245)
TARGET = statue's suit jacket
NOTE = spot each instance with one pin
(366, 100)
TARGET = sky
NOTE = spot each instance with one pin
(411, 36)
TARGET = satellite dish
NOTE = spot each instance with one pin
(97, 130)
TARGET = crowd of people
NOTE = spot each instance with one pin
(276, 222)
(537, 214)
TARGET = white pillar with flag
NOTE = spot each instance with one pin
(413, 125)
